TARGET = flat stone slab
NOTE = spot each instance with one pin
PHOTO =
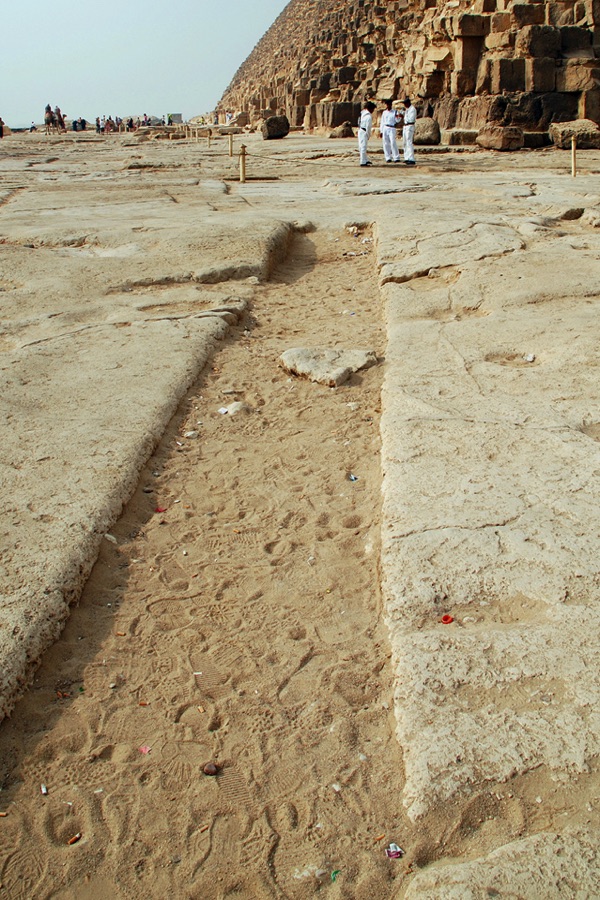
(330, 367)
(491, 505)
(94, 364)
(553, 866)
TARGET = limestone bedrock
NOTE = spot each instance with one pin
(117, 282)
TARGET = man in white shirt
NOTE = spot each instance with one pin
(408, 132)
(365, 126)
(387, 127)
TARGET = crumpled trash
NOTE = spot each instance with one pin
(394, 851)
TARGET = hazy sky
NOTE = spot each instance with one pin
(124, 57)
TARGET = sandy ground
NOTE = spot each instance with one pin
(235, 615)
(240, 625)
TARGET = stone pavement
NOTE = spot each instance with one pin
(117, 281)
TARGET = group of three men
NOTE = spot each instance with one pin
(391, 120)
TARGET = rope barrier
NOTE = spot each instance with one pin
(298, 159)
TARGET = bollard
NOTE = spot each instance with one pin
(231, 145)
(208, 139)
(197, 135)
(574, 156)
(243, 164)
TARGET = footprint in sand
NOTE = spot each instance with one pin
(61, 825)
(22, 873)
(171, 614)
(181, 762)
(211, 682)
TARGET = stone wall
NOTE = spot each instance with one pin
(525, 63)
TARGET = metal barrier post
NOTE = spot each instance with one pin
(574, 156)
(231, 145)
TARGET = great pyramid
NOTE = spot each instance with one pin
(502, 61)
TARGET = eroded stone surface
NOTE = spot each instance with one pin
(330, 367)
(490, 508)
(545, 865)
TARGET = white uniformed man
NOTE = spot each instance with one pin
(389, 122)
(408, 132)
(365, 126)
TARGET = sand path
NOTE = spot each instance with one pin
(240, 625)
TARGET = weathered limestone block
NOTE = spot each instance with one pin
(296, 115)
(576, 41)
(434, 84)
(438, 58)
(498, 137)
(344, 130)
(503, 40)
(458, 137)
(275, 127)
(589, 105)
(535, 140)
(483, 84)
(508, 75)
(557, 107)
(559, 14)
(330, 115)
(523, 14)
(586, 132)
(500, 22)
(345, 75)
(469, 25)
(427, 131)
(467, 52)
(302, 97)
(538, 40)
(577, 77)
(387, 87)
(462, 83)
(446, 112)
(540, 74)
(474, 112)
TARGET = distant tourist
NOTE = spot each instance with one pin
(49, 118)
(1, 127)
(408, 132)
(169, 120)
(98, 126)
(365, 126)
(33, 127)
(390, 119)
